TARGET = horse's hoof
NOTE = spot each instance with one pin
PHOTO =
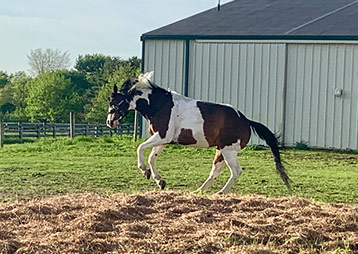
(162, 184)
(147, 174)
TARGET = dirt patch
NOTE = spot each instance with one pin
(174, 222)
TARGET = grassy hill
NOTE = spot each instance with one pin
(108, 165)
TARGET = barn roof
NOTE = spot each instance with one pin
(274, 19)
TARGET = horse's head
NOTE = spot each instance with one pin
(120, 101)
(118, 104)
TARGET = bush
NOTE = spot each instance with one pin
(301, 146)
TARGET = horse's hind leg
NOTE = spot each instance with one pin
(151, 160)
(230, 156)
(218, 164)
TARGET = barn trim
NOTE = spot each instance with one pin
(282, 41)
(251, 37)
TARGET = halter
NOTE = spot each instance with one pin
(121, 113)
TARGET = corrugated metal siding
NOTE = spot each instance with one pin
(251, 76)
(166, 58)
(248, 76)
(313, 113)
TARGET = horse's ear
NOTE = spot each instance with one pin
(115, 89)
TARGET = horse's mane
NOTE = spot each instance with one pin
(144, 81)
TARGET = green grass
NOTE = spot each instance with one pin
(108, 165)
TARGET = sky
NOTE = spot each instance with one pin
(109, 27)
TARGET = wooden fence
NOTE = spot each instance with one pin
(38, 130)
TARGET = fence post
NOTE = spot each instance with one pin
(135, 126)
(53, 130)
(20, 130)
(96, 131)
(86, 129)
(38, 130)
(72, 125)
(44, 129)
(1, 133)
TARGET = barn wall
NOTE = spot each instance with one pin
(249, 76)
(252, 76)
(314, 114)
(166, 58)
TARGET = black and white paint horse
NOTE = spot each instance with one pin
(176, 119)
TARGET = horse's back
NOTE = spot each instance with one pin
(223, 125)
(205, 124)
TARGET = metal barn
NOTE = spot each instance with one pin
(292, 65)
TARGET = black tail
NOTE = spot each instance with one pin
(264, 133)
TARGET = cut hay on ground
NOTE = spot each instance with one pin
(173, 222)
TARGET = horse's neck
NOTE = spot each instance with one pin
(151, 102)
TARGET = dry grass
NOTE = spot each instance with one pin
(174, 222)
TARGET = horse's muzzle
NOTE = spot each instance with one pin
(112, 123)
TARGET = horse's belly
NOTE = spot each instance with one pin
(200, 139)
(200, 143)
(191, 135)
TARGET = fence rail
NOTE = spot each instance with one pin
(38, 130)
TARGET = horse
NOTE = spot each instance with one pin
(177, 119)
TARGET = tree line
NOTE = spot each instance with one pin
(52, 91)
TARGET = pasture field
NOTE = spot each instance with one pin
(108, 165)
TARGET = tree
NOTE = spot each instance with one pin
(7, 108)
(4, 79)
(6, 94)
(20, 83)
(98, 68)
(97, 109)
(49, 60)
(135, 63)
(102, 72)
(51, 98)
(129, 69)
(80, 86)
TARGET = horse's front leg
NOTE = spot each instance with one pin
(151, 160)
(153, 141)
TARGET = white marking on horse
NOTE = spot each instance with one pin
(187, 115)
